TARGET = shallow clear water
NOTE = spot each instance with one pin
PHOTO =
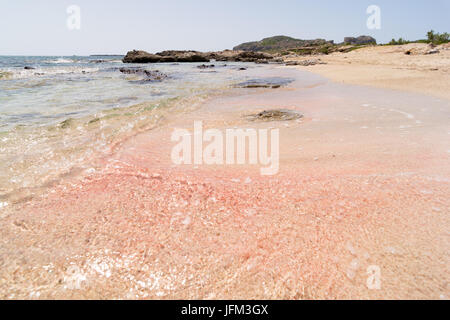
(59, 114)
(57, 88)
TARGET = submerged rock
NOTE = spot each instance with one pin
(66, 123)
(151, 75)
(275, 115)
(204, 66)
(273, 83)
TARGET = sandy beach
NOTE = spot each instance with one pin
(363, 184)
(389, 67)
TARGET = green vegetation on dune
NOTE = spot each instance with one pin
(432, 38)
(437, 38)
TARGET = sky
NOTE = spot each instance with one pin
(39, 27)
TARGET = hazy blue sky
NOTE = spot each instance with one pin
(38, 27)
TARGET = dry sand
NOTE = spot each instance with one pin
(389, 67)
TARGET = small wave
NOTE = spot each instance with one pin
(105, 61)
(39, 72)
(61, 60)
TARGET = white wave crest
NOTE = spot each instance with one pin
(61, 60)
(39, 72)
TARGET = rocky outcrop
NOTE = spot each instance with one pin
(309, 62)
(430, 49)
(242, 56)
(196, 56)
(279, 43)
(361, 40)
(182, 56)
(138, 56)
(204, 66)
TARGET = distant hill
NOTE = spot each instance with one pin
(279, 43)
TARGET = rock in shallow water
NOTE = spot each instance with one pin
(265, 83)
(150, 75)
(275, 115)
(204, 66)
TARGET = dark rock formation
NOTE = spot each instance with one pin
(29, 68)
(275, 115)
(278, 43)
(242, 56)
(165, 56)
(150, 75)
(140, 57)
(183, 56)
(195, 56)
(273, 83)
(204, 66)
(362, 40)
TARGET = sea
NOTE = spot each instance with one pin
(47, 90)
(58, 113)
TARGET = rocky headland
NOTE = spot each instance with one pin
(269, 50)
(179, 56)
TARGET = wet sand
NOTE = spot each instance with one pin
(364, 181)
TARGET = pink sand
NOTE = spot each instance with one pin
(364, 181)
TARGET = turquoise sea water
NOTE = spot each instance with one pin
(47, 90)
(59, 114)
